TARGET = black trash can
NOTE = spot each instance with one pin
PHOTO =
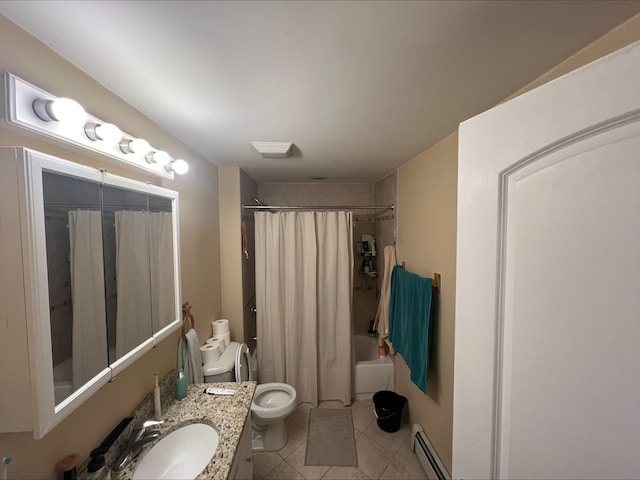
(388, 410)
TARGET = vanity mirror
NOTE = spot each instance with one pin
(100, 275)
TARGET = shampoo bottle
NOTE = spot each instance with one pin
(156, 400)
(181, 385)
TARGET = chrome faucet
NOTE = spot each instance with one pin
(140, 437)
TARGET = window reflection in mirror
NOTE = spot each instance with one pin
(75, 280)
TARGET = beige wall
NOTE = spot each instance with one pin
(231, 249)
(83, 430)
(427, 193)
(427, 189)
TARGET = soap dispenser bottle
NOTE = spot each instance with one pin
(96, 470)
(181, 385)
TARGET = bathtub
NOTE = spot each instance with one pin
(63, 378)
(372, 373)
(62, 385)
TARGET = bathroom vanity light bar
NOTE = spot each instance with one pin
(64, 119)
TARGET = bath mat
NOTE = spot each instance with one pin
(330, 441)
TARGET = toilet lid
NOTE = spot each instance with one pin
(243, 362)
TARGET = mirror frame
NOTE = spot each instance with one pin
(46, 414)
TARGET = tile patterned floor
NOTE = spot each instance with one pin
(381, 455)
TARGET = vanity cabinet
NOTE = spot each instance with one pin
(89, 282)
(242, 466)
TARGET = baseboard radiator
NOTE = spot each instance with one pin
(427, 456)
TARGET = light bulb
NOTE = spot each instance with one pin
(160, 157)
(63, 110)
(138, 146)
(106, 132)
(69, 111)
(179, 166)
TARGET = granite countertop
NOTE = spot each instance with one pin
(226, 413)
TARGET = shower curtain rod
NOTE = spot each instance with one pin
(320, 207)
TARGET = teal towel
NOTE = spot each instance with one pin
(410, 322)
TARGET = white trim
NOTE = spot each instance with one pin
(30, 167)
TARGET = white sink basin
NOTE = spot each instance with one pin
(182, 454)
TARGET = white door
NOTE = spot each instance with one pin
(547, 342)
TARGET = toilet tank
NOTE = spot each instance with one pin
(223, 369)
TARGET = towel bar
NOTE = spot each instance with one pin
(435, 282)
(187, 317)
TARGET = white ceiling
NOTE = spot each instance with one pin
(359, 87)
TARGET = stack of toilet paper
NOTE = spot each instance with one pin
(220, 330)
(217, 343)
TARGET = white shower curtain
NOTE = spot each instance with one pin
(89, 335)
(304, 280)
(145, 276)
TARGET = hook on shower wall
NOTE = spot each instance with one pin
(245, 243)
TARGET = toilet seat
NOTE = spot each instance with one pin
(273, 400)
(243, 364)
(233, 365)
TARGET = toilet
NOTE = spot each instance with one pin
(272, 402)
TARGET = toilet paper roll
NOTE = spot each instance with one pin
(210, 352)
(221, 346)
(226, 338)
(219, 327)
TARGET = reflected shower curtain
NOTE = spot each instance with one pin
(304, 280)
(145, 276)
(89, 336)
(133, 280)
(163, 306)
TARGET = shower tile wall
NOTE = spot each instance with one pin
(364, 287)
(386, 194)
(248, 191)
(310, 194)
(61, 312)
(307, 194)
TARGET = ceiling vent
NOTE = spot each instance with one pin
(274, 149)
